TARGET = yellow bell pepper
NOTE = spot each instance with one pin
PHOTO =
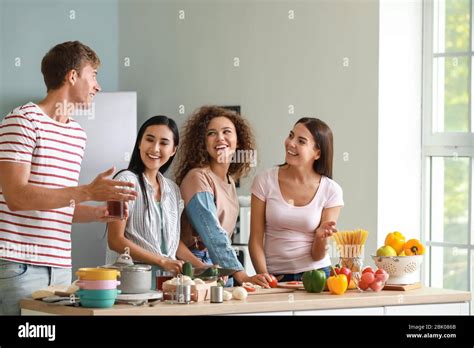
(337, 284)
(414, 247)
(396, 240)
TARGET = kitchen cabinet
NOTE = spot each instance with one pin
(430, 309)
(267, 313)
(424, 301)
(345, 311)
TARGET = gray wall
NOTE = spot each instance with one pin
(282, 62)
(31, 27)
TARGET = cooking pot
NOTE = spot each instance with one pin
(134, 278)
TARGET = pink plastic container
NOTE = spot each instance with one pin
(97, 284)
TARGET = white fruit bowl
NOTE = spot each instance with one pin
(402, 269)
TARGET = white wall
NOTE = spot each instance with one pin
(399, 137)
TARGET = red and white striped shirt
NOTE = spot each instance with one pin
(55, 151)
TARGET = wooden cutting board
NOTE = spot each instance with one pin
(402, 287)
(263, 291)
(285, 285)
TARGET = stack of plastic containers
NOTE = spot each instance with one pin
(97, 287)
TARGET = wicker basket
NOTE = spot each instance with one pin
(402, 269)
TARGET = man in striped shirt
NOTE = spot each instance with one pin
(41, 149)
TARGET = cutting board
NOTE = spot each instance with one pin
(151, 295)
(402, 287)
(285, 285)
(263, 291)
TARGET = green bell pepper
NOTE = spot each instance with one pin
(314, 281)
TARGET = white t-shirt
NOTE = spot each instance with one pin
(289, 229)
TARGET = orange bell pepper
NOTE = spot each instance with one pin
(414, 247)
(396, 240)
(337, 284)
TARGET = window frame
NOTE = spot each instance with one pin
(446, 144)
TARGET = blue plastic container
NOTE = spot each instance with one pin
(97, 298)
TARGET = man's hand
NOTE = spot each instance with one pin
(103, 189)
(102, 214)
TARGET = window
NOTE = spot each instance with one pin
(448, 142)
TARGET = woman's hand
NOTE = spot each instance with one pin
(260, 279)
(170, 265)
(326, 230)
(205, 265)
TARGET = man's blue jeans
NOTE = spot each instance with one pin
(20, 280)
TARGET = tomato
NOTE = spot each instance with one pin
(368, 269)
(381, 275)
(273, 283)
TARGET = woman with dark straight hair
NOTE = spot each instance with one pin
(152, 230)
(295, 206)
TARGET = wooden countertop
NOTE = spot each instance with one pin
(294, 301)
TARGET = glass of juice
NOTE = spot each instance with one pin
(161, 277)
(116, 209)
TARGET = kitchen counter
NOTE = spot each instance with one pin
(417, 302)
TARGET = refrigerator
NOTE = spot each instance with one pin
(240, 238)
(111, 127)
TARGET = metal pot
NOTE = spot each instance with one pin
(135, 278)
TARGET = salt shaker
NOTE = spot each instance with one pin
(183, 292)
(217, 294)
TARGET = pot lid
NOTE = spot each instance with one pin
(124, 259)
(125, 263)
(137, 267)
(127, 268)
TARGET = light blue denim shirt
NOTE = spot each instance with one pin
(202, 214)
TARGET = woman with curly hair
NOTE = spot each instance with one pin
(206, 172)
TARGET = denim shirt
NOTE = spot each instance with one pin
(202, 214)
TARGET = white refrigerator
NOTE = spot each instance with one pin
(111, 127)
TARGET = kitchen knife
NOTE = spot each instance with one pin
(222, 271)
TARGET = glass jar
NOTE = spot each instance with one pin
(355, 265)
